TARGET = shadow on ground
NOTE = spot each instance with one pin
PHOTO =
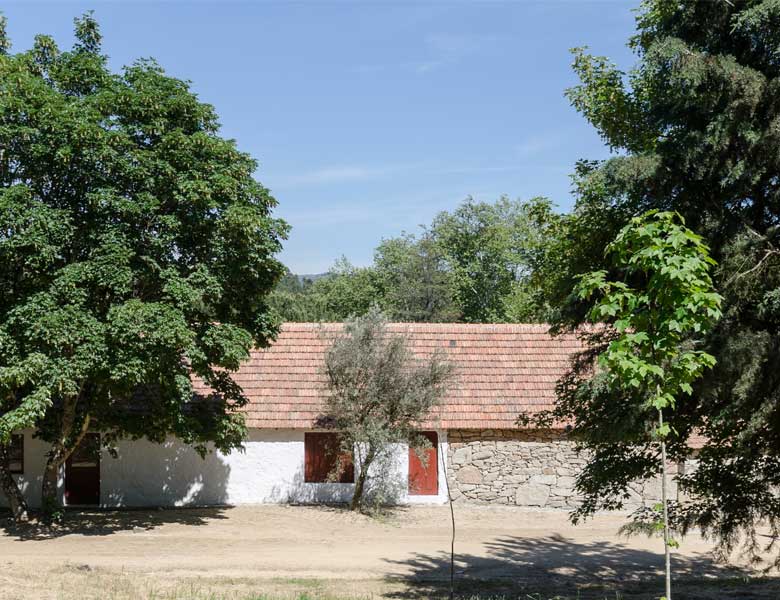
(107, 522)
(558, 567)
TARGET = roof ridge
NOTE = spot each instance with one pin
(308, 325)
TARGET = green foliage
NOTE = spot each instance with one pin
(480, 263)
(343, 292)
(695, 129)
(492, 251)
(379, 392)
(348, 291)
(658, 316)
(136, 249)
(415, 282)
(289, 298)
(660, 304)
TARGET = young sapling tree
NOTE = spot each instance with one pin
(661, 306)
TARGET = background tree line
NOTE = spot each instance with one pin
(480, 263)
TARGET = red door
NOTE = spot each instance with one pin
(82, 472)
(424, 478)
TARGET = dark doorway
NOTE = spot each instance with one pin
(424, 478)
(82, 472)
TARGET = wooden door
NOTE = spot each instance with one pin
(424, 478)
(82, 472)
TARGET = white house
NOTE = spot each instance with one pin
(501, 372)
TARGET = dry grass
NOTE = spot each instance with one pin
(79, 582)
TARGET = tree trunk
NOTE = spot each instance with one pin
(665, 502)
(10, 488)
(360, 484)
(452, 517)
(60, 451)
(49, 501)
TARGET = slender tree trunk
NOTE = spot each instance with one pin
(360, 484)
(10, 488)
(60, 451)
(49, 500)
(665, 502)
(452, 518)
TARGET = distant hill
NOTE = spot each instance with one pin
(315, 277)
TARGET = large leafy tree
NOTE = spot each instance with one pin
(295, 299)
(136, 251)
(347, 290)
(416, 284)
(482, 262)
(695, 127)
(493, 251)
(344, 291)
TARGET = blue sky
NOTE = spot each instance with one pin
(368, 118)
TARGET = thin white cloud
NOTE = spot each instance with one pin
(537, 144)
(332, 175)
(440, 50)
(426, 66)
(449, 48)
(344, 174)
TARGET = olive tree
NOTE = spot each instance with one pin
(379, 392)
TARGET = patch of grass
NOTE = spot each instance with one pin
(78, 581)
(306, 582)
(199, 594)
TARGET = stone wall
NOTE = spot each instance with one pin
(523, 468)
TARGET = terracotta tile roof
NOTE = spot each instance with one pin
(500, 371)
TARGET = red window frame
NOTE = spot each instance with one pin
(325, 462)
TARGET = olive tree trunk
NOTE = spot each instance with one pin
(60, 451)
(360, 484)
(10, 488)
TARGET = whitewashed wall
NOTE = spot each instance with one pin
(34, 462)
(269, 470)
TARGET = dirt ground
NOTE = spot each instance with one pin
(284, 551)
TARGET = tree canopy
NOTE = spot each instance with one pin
(695, 128)
(482, 262)
(136, 251)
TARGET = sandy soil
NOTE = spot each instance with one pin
(286, 550)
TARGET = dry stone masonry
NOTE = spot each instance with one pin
(522, 468)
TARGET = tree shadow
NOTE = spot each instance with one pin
(558, 566)
(298, 492)
(384, 488)
(163, 474)
(102, 522)
(146, 486)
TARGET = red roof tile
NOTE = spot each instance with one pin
(501, 371)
